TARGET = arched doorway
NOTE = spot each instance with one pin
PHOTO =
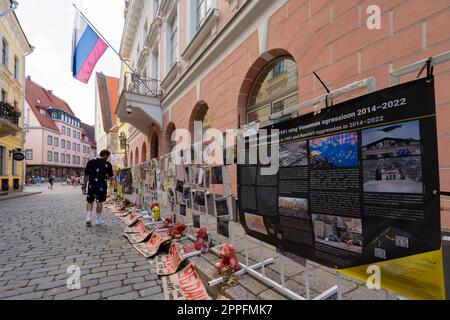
(274, 89)
(131, 159)
(154, 146)
(200, 113)
(169, 143)
(136, 156)
(144, 153)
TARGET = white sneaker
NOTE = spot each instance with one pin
(99, 222)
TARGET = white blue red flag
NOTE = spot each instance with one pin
(87, 49)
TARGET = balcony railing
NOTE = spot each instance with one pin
(7, 112)
(141, 85)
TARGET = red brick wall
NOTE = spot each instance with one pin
(331, 38)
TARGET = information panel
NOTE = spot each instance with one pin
(355, 183)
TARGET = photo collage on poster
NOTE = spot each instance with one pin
(350, 188)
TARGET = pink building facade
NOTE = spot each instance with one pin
(230, 62)
(56, 142)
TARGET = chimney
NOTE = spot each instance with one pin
(29, 78)
(50, 92)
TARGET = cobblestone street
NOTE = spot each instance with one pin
(42, 235)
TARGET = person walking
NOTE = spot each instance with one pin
(96, 175)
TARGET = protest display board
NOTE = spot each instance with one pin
(184, 285)
(150, 248)
(356, 183)
(126, 181)
(168, 264)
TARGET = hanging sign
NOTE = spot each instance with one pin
(19, 156)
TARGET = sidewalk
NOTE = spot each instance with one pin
(19, 194)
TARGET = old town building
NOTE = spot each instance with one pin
(14, 49)
(57, 143)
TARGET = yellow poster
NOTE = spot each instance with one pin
(419, 277)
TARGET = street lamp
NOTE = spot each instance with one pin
(14, 5)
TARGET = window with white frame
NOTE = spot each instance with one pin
(155, 64)
(5, 52)
(56, 142)
(2, 160)
(155, 7)
(4, 95)
(55, 157)
(15, 168)
(63, 144)
(29, 154)
(74, 146)
(49, 140)
(74, 160)
(63, 130)
(234, 4)
(49, 156)
(63, 158)
(202, 9)
(68, 145)
(173, 40)
(68, 159)
(78, 160)
(16, 68)
(68, 132)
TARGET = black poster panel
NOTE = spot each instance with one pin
(127, 181)
(355, 183)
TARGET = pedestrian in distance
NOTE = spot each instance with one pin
(50, 180)
(97, 173)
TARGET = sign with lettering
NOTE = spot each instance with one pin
(184, 285)
(168, 264)
(150, 248)
(355, 183)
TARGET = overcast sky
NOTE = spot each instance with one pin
(48, 25)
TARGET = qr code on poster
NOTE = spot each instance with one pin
(380, 253)
(402, 242)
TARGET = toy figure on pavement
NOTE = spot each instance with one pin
(229, 259)
(202, 240)
(156, 211)
(178, 231)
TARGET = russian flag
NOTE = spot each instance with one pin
(87, 49)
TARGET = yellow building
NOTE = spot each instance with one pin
(14, 49)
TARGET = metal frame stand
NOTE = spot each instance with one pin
(395, 75)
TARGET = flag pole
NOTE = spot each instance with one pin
(103, 38)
